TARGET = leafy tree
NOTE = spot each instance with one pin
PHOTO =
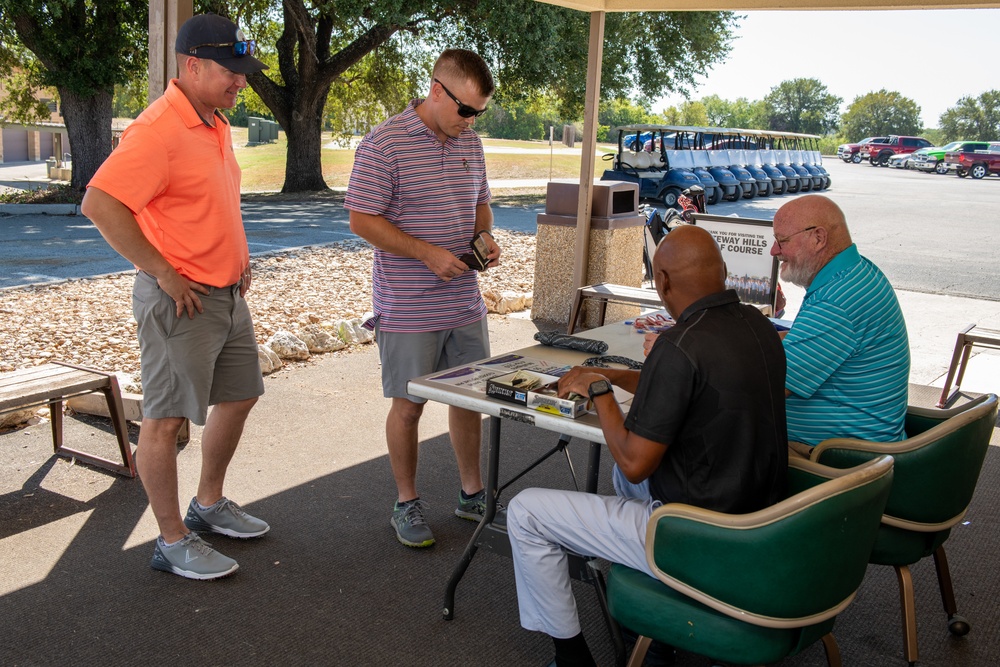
(973, 118)
(24, 101)
(622, 111)
(379, 52)
(526, 120)
(881, 113)
(690, 113)
(740, 112)
(802, 105)
(83, 48)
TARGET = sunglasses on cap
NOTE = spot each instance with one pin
(241, 47)
(464, 110)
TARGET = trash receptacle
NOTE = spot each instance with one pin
(50, 165)
(616, 245)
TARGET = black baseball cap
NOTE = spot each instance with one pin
(215, 37)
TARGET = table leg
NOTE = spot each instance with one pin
(593, 466)
(492, 476)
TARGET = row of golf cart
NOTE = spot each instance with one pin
(730, 164)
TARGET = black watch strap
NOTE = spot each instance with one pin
(599, 388)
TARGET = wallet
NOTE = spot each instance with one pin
(477, 259)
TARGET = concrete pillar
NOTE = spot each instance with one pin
(34, 147)
(615, 245)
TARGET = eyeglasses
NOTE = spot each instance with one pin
(785, 240)
(464, 110)
(245, 47)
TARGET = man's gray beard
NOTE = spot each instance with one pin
(802, 275)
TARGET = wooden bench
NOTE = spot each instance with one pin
(51, 384)
(609, 293)
(967, 338)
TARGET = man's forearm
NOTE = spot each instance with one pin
(484, 218)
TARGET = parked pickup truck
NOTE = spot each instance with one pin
(878, 153)
(932, 159)
(975, 163)
(852, 152)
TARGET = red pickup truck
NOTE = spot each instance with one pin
(878, 153)
(975, 163)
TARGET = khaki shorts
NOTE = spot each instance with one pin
(188, 364)
(405, 356)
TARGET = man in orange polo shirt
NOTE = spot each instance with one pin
(168, 200)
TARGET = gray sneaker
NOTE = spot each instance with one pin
(411, 527)
(226, 518)
(193, 558)
(474, 509)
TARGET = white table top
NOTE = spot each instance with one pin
(622, 339)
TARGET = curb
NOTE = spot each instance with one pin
(39, 209)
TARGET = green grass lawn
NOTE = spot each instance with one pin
(264, 166)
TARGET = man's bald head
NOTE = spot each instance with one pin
(687, 266)
(812, 230)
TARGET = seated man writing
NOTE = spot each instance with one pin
(706, 427)
(847, 353)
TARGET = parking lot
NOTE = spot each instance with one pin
(927, 232)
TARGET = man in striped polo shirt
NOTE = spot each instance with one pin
(418, 193)
(848, 357)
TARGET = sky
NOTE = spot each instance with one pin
(934, 57)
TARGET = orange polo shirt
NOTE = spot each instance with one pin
(181, 181)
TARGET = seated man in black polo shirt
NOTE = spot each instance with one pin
(706, 427)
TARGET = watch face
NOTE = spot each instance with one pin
(599, 387)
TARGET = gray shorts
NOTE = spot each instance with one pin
(405, 356)
(188, 364)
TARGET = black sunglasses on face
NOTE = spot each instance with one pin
(464, 110)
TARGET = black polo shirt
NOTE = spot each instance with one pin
(712, 390)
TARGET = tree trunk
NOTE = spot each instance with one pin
(88, 123)
(304, 161)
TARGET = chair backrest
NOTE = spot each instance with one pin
(784, 566)
(937, 465)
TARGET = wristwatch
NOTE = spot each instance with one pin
(599, 388)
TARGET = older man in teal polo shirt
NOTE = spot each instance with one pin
(848, 357)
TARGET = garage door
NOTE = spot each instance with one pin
(15, 145)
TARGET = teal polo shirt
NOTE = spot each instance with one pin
(848, 356)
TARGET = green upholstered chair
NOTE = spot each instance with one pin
(755, 588)
(936, 470)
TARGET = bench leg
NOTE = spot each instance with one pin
(956, 370)
(114, 398)
(574, 312)
(56, 416)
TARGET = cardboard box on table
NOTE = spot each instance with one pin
(543, 399)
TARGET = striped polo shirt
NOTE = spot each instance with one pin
(848, 356)
(430, 191)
